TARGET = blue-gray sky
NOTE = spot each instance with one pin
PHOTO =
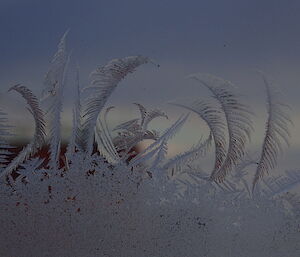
(230, 39)
(233, 33)
(220, 37)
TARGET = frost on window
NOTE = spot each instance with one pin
(105, 194)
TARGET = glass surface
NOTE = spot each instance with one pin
(149, 128)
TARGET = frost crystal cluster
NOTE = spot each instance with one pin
(104, 196)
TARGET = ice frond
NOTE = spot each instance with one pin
(4, 146)
(283, 184)
(36, 111)
(237, 117)
(173, 130)
(103, 82)
(39, 134)
(131, 133)
(104, 140)
(150, 115)
(54, 76)
(179, 161)
(238, 177)
(127, 125)
(76, 116)
(126, 141)
(151, 150)
(143, 112)
(54, 85)
(106, 128)
(276, 131)
(214, 121)
(161, 154)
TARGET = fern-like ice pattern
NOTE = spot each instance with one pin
(102, 196)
